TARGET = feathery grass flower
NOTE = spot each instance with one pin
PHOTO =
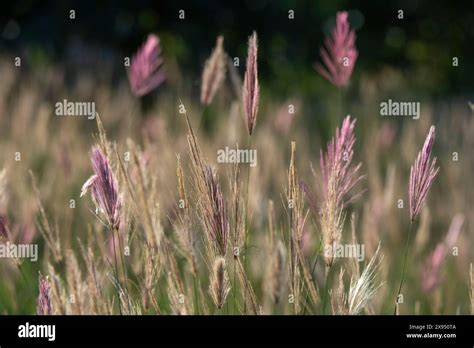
(422, 175)
(338, 177)
(103, 187)
(339, 54)
(44, 304)
(145, 71)
(219, 286)
(250, 88)
(215, 212)
(213, 73)
(364, 288)
(336, 163)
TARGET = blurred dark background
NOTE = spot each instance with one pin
(421, 45)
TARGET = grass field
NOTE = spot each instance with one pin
(170, 224)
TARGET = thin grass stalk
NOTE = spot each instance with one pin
(236, 186)
(49, 233)
(340, 106)
(247, 229)
(125, 175)
(311, 289)
(252, 298)
(313, 267)
(117, 274)
(293, 267)
(326, 281)
(23, 275)
(196, 302)
(234, 290)
(122, 249)
(471, 288)
(403, 268)
(144, 202)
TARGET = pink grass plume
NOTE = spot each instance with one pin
(336, 163)
(339, 54)
(250, 88)
(103, 187)
(44, 305)
(146, 73)
(422, 175)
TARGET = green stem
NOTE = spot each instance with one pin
(196, 303)
(122, 259)
(116, 273)
(247, 230)
(23, 274)
(234, 290)
(312, 272)
(328, 268)
(403, 268)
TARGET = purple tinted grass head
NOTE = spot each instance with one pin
(250, 88)
(44, 305)
(215, 217)
(103, 187)
(213, 73)
(145, 71)
(339, 54)
(336, 163)
(422, 175)
(431, 270)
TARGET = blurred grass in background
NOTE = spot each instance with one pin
(82, 59)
